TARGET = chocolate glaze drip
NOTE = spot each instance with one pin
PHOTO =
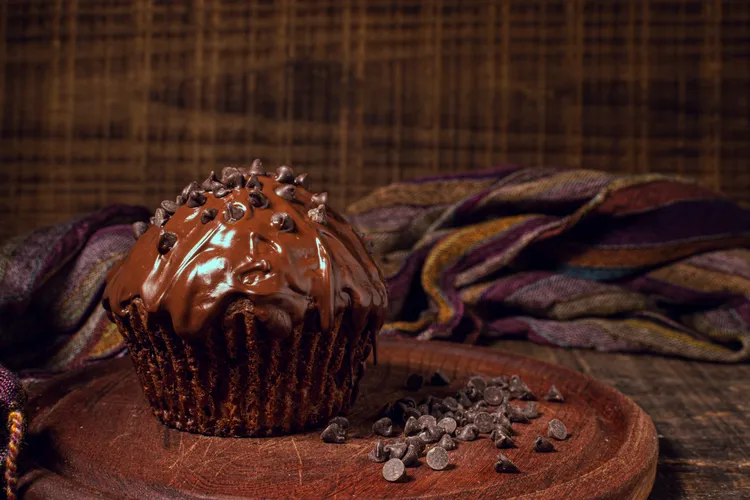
(197, 262)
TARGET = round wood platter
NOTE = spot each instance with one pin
(92, 435)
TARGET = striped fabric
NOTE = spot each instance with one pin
(570, 258)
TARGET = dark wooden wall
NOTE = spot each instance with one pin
(106, 101)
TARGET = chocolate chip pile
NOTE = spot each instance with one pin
(433, 426)
(194, 195)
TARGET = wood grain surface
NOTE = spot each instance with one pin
(92, 435)
(107, 101)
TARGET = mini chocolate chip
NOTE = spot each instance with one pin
(139, 228)
(437, 458)
(318, 214)
(284, 174)
(169, 206)
(494, 395)
(253, 182)
(383, 427)
(557, 430)
(340, 421)
(439, 379)
(516, 414)
(543, 445)
(416, 442)
(448, 425)
(283, 222)
(196, 199)
(208, 215)
(320, 199)
(504, 465)
(467, 433)
(209, 182)
(502, 440)
(414, 382)
(379, 453)
(484, 422)
(233, 212)
(530, 410)
(166, 241)
(393, 470)
(502, 420)
(257, 167)
(231, 177)
(257, 199)
(286, 192)
(411, 457)
(396, 450)
(160, 217)
(426, 420)
(302, 181)
(554, 395)
(333, 434)
(447, 442)
(412, 427)
(450, 403)
(519, 389)
(193, 186)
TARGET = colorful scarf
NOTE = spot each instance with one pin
(569, 258)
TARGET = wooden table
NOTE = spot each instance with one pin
(701, 412)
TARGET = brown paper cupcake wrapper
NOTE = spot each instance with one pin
(241, 382)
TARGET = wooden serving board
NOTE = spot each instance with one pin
(92, 435)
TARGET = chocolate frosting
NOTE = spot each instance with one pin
(217, 246)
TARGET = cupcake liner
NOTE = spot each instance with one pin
(238, 380)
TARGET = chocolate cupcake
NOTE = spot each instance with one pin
(249, 306)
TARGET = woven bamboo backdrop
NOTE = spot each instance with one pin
(119, 101)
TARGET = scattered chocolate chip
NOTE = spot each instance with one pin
(437, 458)
(519, 389)
(411, 457)
(479, 405)
(467, 433)
(439, 379)
(208, 215)
(412, 427)
(448, 425)
(502, 440)
(424, 409)
(166, 241)
(151, 220)
(169, 206)
(393, 470)
(302, 181)
(477, 383)
(220, 191)
(501, 381)
(516, 414)
(253, 182)
(193, 186)
(494, 395)
(502, 420)
(543, 445)
(484, 422)
(426, 420)
(396, 450)
(209, 182)
(231, 177)
(233, 212)
(318, 214)
(557, 430)
(284, 174)
(450, 404)
(414, 382)
(286, 191)
(320, 199)
(333, 434)
(196, 199)
(383, 427)
(340, 421)
(257, 167)
(416, 443)
(379, 453)
(431, 434)
(257, 199)
(411, 413)
(180, 200)
(530, 410)
(554, 395)
(139, 228)
(504, 465)
(447, 442)
(463, 399)
(283, 222)
(160, 217)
